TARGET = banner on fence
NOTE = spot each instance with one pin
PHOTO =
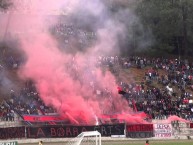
(108, 130)
(140, 130)
(42, 118)
(185, 129)
(163, 130)
(191, 125)
(72, 131)
(12, 132)
(140, 134)
(9, 143)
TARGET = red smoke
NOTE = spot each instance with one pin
(172, 118)
(47, 66)
(63, 80)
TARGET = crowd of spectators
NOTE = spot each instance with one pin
(166, 88)
(73, 36)
(27, 102)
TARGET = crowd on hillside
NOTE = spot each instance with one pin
(73, 36)
(160, 94)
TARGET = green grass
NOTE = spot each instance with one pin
(155, 142)
(125, 142)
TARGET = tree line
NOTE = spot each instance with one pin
(171, 23)
(167, 23)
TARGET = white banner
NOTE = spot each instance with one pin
(163, 130)
(8, 143)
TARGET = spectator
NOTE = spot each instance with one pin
(40, 143)
(147, 142)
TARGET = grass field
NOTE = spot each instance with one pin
(154, 142)
(128, 142)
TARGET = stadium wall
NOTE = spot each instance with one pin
(134, 131)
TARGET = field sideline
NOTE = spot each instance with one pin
(126, 142)
(154, 142)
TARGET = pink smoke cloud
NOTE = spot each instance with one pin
(62, 79)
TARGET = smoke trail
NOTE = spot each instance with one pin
(63, 78)
(6, 84)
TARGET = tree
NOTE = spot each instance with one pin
(171, 24)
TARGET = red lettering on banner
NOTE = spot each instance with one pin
(163, 135)
(75, 131)
(72, 131)
(163, 130)
(29, 133)
(2, 136)
(18, 134)
(53, 132)
(68, 131)
(21, 132)
(10, 130)
(40, 132)
(60, 132)
(84, 129)
(140, 127)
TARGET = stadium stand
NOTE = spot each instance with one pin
(157, 94)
